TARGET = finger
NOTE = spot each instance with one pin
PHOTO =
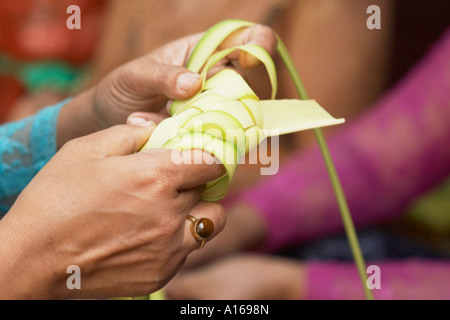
(186, 169)
(184, 286)
(199, 167)
(139, 119)
(256, 34)
(210, 210)
(190, 197)
(177, 51)
(181, 287)
(116, 141)
(145, 78)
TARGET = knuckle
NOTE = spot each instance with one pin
(267, 35)
(149, 179)
(160, 172)
(171, 224)
(75, 146)
(69, 146)
(158, 180)
(219, 216)
(221, 213)
(121, 133)
(157, 77)
(128, 75)
(166, 77)
(123, 136)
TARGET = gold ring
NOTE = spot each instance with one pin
(201, 229)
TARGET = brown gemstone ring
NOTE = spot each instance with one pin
(201, 229)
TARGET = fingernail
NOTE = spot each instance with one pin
(185, 81)
(140, 122)
(248, 61)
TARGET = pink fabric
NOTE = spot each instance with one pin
(385, 159)
(402, 280)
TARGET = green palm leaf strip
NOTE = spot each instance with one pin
(227, 119)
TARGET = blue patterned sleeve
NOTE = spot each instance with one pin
(25, 147)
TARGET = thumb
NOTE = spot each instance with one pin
(119, 140)
(146, 77)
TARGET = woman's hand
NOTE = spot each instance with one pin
(241, 277)
(118, 215)
(146, 84)
(245, 229)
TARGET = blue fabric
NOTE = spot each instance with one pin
(25, 147)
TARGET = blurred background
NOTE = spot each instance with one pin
(344, 66)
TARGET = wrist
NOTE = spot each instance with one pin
(25, 271)
(77, 118)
